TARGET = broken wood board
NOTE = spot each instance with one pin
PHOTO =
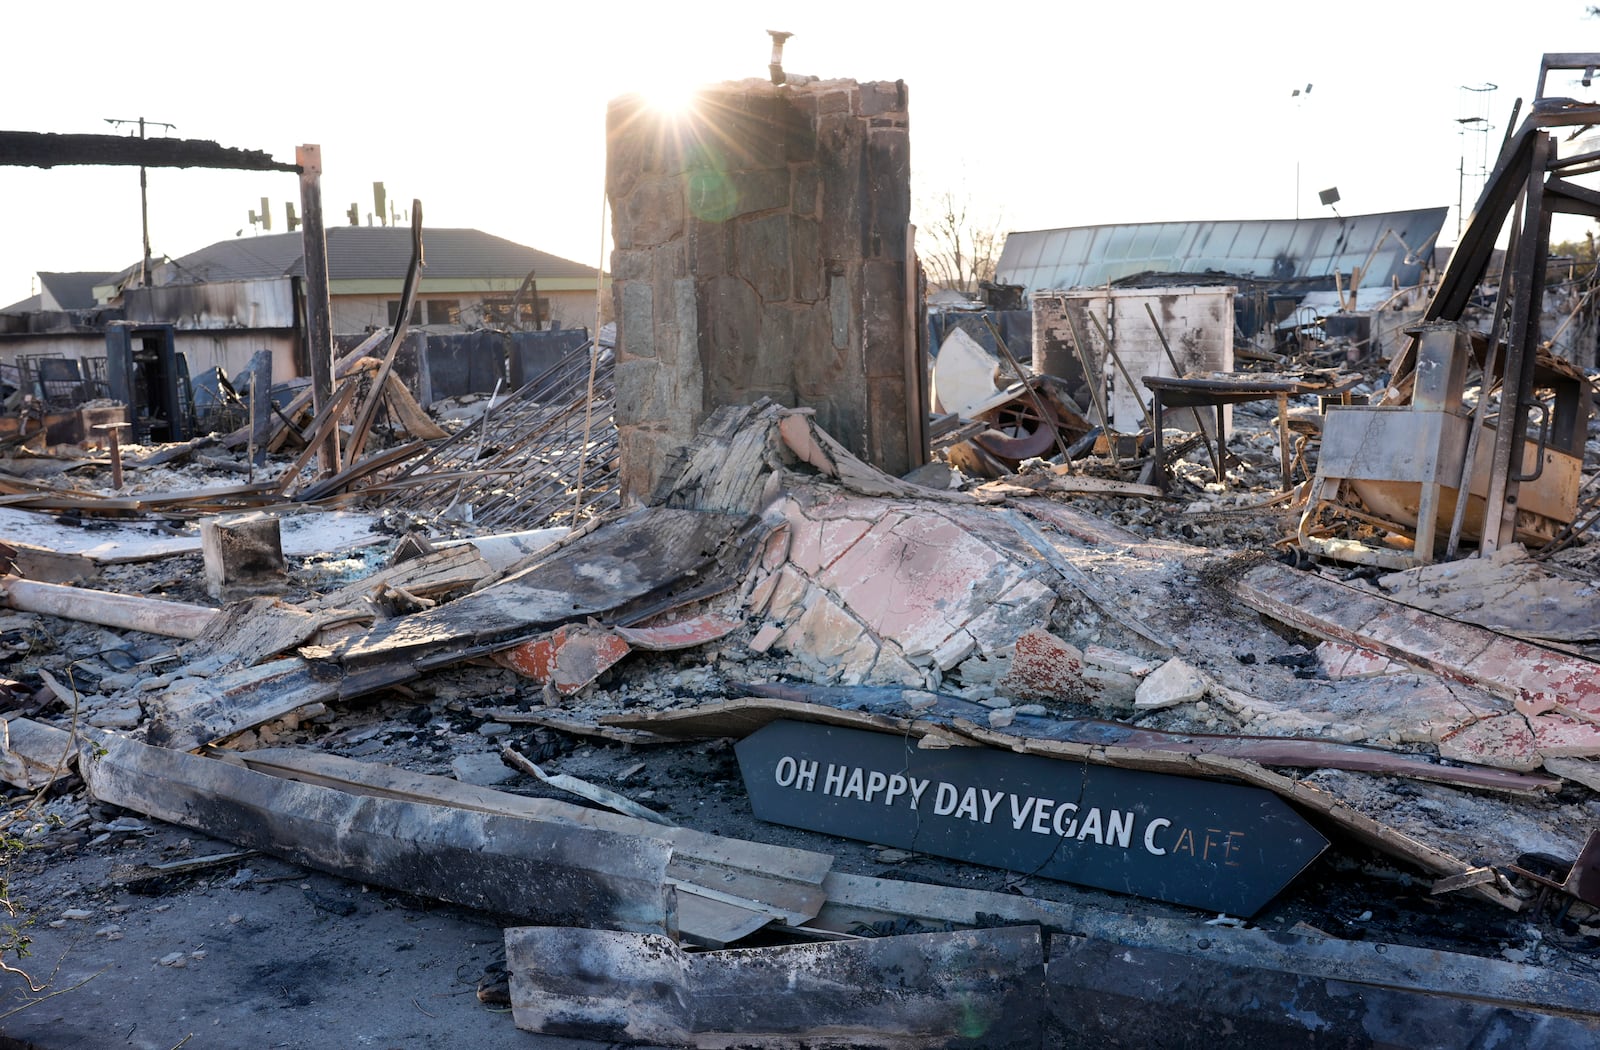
(246, 632)
(1538, 680)
(199, 711)
(32, 754)
(741, 717)
(969, 988)
(857, 900)
(117, 543)
(763, 883)
(430, 575)
(1024, 485)
(408, 413)
(727, 466)
(544, 871)
(572, 785)
(634, 564)
(506, 549)
(45, 566)
(636, 567)
(819, 703)
(1103, 991)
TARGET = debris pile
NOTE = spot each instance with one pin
(821, 597)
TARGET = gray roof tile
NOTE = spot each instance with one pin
(375, 252)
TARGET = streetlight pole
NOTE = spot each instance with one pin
(1299, 144)
(144, 195)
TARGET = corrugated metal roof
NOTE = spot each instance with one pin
(1279, 249)
(375, 252)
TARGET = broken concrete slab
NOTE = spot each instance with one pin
(1582, 772)
(1174, 682)
(1537, 679)
(1043, 667)
(243, 556)
(1507, 592)
(1339, 660)
(1506, 741)
(970, 988)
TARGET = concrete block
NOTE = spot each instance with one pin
(243, 555)
(484, 769)
(831, 643)
(1043, 667)
(1173, 683)
(765, 638)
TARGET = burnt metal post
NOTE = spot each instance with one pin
(1505, 472)
(319, 311)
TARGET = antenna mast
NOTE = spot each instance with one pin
(144, 194)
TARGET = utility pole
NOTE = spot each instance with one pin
(144, 195)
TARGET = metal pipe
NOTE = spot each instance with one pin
(1480, 411)
(1095, 387)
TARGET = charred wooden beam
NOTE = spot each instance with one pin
(970, 988)
(545, 872)
(39, 149)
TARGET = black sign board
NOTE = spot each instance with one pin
(1221, 847)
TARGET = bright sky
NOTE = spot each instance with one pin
(1043, 115)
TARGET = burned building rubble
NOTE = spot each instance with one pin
(747, 678)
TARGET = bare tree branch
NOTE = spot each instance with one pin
(961, 251)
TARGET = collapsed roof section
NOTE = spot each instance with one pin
(1385, 246)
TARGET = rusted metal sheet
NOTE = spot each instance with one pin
(1582, 879)
(975, 988)
(568, 658)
